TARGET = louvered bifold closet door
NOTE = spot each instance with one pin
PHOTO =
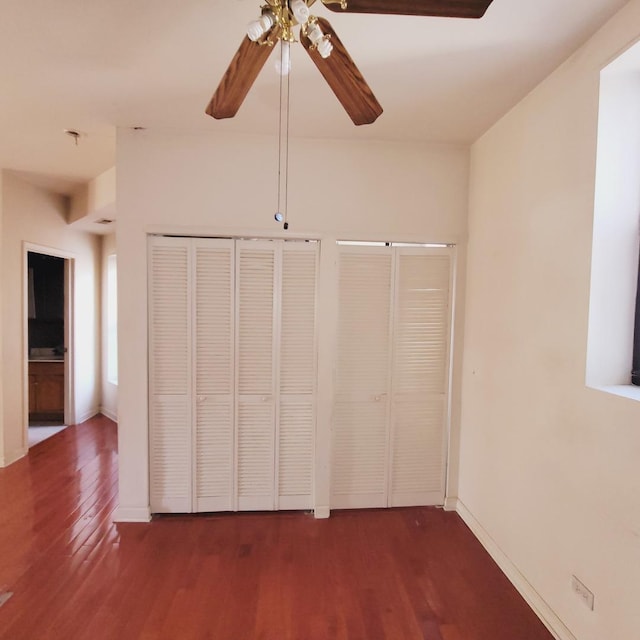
(255, 374)
(297, 376)
(360, 420)
(421, 339)
(170, 434)
(213, 318)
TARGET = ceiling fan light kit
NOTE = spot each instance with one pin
(318, 39)
(300, 11)
(277, 22)
(261, 26)
(283, 64)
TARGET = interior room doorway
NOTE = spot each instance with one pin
(47, 333)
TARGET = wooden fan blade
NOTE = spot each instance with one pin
(344, 78)
(441, 8)
(239, 78)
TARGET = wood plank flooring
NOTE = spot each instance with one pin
(402, 574)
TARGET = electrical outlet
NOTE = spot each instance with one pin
(584, 594)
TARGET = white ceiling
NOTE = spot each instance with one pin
(94, 66)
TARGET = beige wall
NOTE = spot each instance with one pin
(109, 395)
(33, 215)
(2, 438)
(216, 185)
(94, 199)
(549, 468)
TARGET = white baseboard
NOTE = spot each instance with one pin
(321, 513)
(549, 618)
(13, 456)
(132, 514)
(110, 414)
(450, 503)
(83, 417)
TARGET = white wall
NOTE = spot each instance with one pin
(216, 184)
(3, 457)
(549, 468)
(33, 215)
(94, 199)
(109, 403)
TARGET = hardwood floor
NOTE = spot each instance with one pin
(404, 574)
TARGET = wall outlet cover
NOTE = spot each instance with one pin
(583, 592)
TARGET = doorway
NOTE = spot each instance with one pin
(47, 336)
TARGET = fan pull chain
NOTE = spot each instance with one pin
(283, 139)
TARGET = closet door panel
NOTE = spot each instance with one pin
(170, 437)
(417, 475)
(255, 462)
(420, 377)
(295, 455)
(360, 421)
(213, 374)
(170, 455)
(255, 374)
(214, 485)
(232, 328)
(297, 376)
(359, 458)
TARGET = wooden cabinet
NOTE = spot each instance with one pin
(46, 391)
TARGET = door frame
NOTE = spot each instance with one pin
(69, 333)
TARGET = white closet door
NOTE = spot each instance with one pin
(232, 374)
(255, 374)
(213, 366)
(420, 348)
(297, 376)
(360, 421)
(170, 430)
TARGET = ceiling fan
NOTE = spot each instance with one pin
(277, 21)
